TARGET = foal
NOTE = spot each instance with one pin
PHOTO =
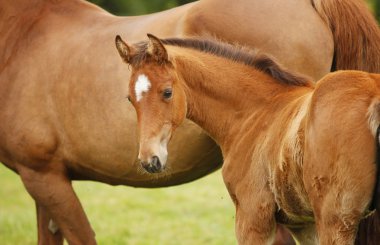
(293, 154)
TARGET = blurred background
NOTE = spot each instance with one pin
(139, 7)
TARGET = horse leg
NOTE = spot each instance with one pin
(283, 236)
(255, 222)
(52, 190)
(305, 235)
(339, 205)
(255, 206)
(47, 234)
(338, 219)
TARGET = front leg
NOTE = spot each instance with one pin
(255, 206)
(52, 190)
(48, 233)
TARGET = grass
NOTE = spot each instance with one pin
(200, 212)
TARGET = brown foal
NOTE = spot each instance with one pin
(294, 154)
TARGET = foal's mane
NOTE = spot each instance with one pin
(240, 54)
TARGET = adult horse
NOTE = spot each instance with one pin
(62, 88)
(293, 154)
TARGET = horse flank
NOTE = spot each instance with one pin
(240, 54)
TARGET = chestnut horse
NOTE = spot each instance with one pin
(60, 93)
(293, 154)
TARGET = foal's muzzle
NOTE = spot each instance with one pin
(154, 166)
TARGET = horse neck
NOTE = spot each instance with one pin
(222, 94)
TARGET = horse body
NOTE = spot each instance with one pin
(44, 101)
(293, 154)
(50, 33)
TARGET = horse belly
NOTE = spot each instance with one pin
(192, 155)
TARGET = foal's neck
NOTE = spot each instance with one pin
(222, 94)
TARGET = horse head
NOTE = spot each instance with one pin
(157, 94)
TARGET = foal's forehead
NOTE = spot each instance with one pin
(155, 73)
(144, 81)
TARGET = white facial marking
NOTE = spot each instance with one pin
(142, 85)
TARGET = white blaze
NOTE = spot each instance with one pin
(142, 85)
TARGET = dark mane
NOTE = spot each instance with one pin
(239, 54)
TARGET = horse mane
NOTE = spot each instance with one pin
(240, 54)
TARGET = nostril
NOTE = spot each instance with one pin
(156, 162)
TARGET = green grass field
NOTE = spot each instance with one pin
(198, 213)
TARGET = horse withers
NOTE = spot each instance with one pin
(294, 153)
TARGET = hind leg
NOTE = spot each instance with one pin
(340, 206)
(306, 235)
(48, 234)
(337, 225)
(52, 190)
(283, 236)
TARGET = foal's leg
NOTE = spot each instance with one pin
(47, 233)
(283, 236)
(337, 225)
(52, 190)
(255, 223)
(339, 199)
(306, 235)
(255, 208)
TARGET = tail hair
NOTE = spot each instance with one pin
(356, 34)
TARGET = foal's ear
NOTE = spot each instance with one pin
(124, 49)
(157, 49)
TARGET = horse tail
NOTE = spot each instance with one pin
(369, 228)
(355, 32)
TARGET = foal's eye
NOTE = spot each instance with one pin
(167, 94)
(129, 98)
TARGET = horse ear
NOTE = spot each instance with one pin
(124, 49)
(157, 49)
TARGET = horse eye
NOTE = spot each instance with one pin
(167, 94)
(129, 98)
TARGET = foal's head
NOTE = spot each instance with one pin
(158, 97)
